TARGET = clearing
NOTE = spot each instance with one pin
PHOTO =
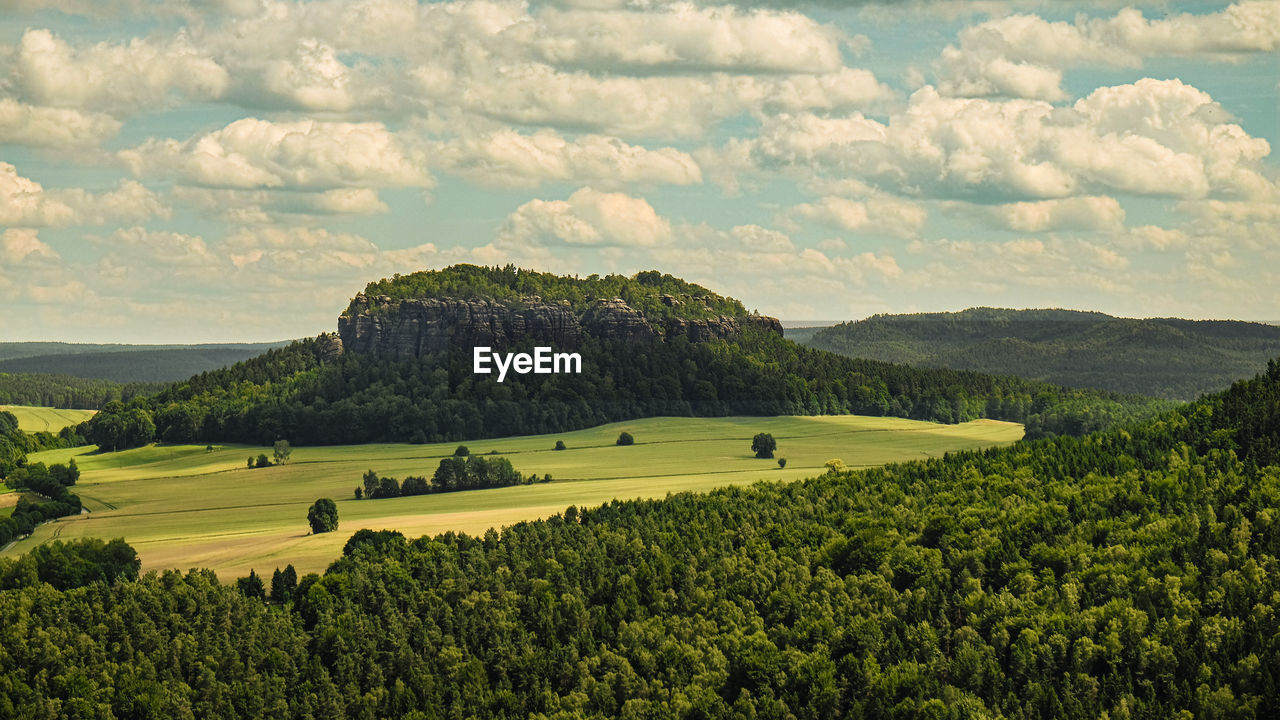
(47, 419)
(184, 506)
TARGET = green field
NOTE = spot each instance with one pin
(183, 506)
(36, 419)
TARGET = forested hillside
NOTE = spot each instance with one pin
(1158, 357)
(308, 394)
(1131, 573)
(64, 391)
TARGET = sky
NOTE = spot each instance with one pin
(236, 170)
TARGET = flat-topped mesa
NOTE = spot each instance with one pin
(402, 329)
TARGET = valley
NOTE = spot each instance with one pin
(183, 506)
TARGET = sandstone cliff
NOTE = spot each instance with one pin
(404, 329)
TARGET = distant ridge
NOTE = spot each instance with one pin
(1161, 357)
(126, 363)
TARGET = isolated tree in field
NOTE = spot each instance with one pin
(323, 516)
(264, 461)
(359, 492)
(461, 451)
(782, 463)
(250, 462)
(560, 445)
(763, 445)
(626, 439)
(281, 452)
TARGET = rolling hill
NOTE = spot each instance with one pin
(124, 363)
(1159, 357)
(400, 369)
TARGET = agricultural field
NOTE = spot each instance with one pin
(47, 419)
(187, 506)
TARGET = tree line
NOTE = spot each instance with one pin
(455, 473)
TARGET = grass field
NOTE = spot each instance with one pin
(182, 506)
(36, 419)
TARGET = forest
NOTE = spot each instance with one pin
(292, 393)
(643, 291)
(1127, 573)
(1159, 357)
(65, 391)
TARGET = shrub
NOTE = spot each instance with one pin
(626, 439)
(782, 463)
(560, 445)
(461, 451)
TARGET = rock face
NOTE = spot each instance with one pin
(405, 329)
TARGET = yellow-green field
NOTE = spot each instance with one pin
(36, 419)
(183, 506)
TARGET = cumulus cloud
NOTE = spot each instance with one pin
(1052, 263)
(35, 126)
(239, 207)
(588, 217)
(683, 36)
(310, 154)
(1152, 137)
(506, 157)
(1076, 213)
(119, 79)
(26, 203)
(22, 246)
(878, 214)
(1024, 55)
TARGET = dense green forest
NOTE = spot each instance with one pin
(1159, 357)
(643, 291)
(1131, 573)
(291, 393)
(137, 365)
(64, 391)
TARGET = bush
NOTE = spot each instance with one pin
(560, 445)
(461, 451)
(263, 461)
(626, 439)
(323, 516)
(782, 463)
(763, 445)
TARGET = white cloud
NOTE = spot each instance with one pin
(26, 203)
(274, 206)
(683, 36)
(1024, 55)
(878, 213)
(311, 154)
(116, 79)
(1076, 213)
(588, 217)
(22, 246)
(58, 128)
(508, 158)
(1151, 137)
